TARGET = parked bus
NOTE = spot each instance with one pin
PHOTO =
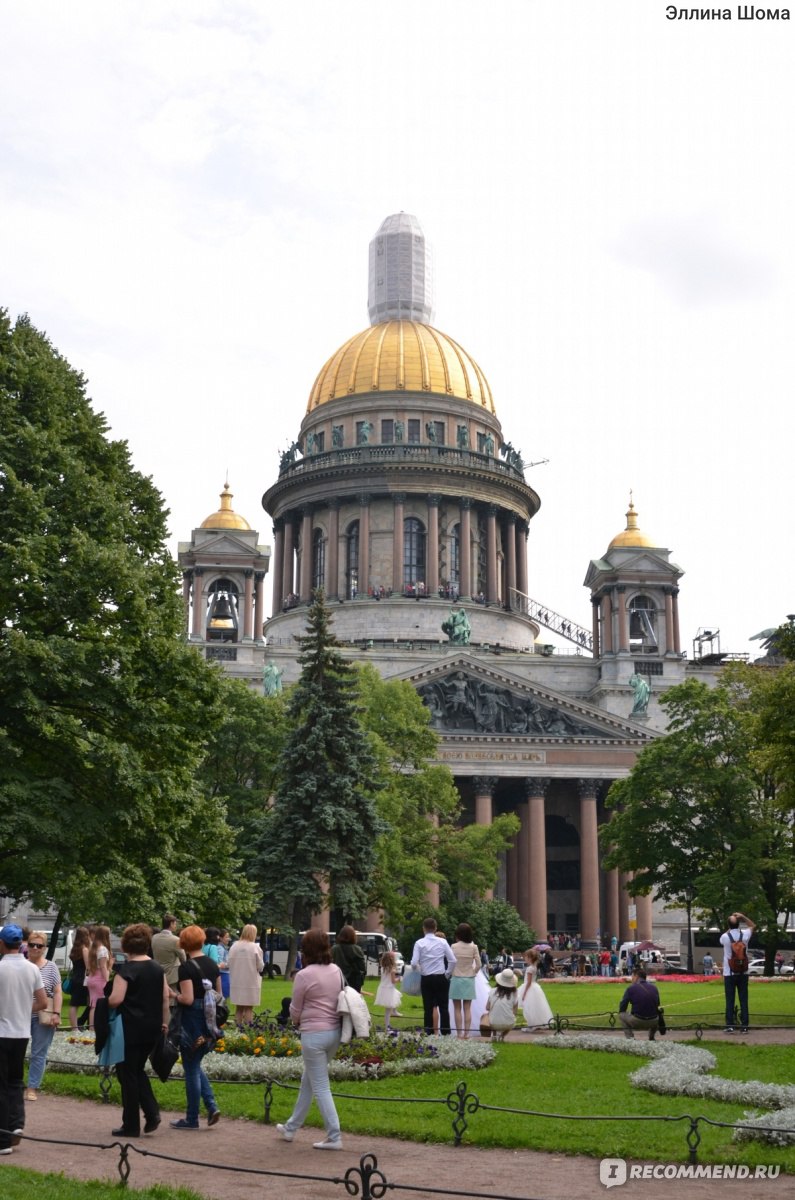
(275, 946)
(709, 940)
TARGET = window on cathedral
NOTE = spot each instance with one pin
(352, 559)
(318, 559)
(642, 624)
(438, 432)
(387, 432)
(413, 430)
(320, 442)
(413, 553)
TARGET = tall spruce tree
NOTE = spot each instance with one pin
(317, 843)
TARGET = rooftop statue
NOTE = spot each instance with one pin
(457, 627)
(641, 691)
(271, 679)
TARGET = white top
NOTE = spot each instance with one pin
(429, 954)
(19, 979)
(400, 272)
(726, 941)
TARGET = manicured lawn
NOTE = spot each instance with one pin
(593, 1086)
(19, 1184)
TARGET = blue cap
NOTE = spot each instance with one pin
(11, 935)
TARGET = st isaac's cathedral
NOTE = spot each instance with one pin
(402, 497)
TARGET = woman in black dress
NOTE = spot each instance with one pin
(78, 992)
(141, 994)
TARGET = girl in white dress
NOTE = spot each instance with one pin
(535, 1005)
(388, 997)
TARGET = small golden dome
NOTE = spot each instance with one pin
(401, 356)
(226, 517)
(631, 536)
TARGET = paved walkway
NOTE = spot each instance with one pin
(415, 1169)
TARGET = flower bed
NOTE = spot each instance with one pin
(679, 1070)
(378, 1056)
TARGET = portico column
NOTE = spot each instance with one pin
(595, 625)
(288, 562)
(465, 550)
(259, 603)
(677, 644)
(432, 580)
(432, 887)
(186, 578)
(305, 590)
(484, 792)
(612, 919)
(278, 566)
(645, 917)
(626, 934)
(198, 603)
(510, 559)
(536, 878)
(521, 530)
(607, 622)
(332, 581)
(248, 604)
(514, 888)
(491, 554)
(364, 543)
(669, 623)
(589, 859)
(398, 500)
(623, 623)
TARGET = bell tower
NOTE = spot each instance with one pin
(223, 574)
(635, 598)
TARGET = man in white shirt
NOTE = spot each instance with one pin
(21, 993)
(434, 959)
(735, 983)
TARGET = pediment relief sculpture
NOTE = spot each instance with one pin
(464, 703)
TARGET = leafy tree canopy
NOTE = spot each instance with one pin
(699, 819)
(103, 706)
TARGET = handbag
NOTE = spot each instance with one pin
(661, 1026)
(67, 985)
(113, 1050)
(165, 1053)
(412, 982)
(485, 1025)
(221, 1013)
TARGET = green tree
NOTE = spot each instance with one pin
(495, 923)
(696, 820)
(316, 844)
(103, 706)
(420, 806)
(240, 768)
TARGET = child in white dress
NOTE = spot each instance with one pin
(502, 1004)
(388, 997)
(535, 1005)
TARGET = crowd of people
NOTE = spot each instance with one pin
(171, 984)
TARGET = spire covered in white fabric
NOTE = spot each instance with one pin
(401, 275)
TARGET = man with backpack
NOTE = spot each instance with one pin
(735, 968)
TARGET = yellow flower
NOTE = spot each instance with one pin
(257, 1051)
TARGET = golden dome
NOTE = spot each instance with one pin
(401, 356)
(631, 536)
(226, 517)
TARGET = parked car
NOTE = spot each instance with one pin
(757, 967)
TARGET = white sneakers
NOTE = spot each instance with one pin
(287, 1136)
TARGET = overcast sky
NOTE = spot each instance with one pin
(189, 190)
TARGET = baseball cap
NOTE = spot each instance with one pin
(11, 935)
